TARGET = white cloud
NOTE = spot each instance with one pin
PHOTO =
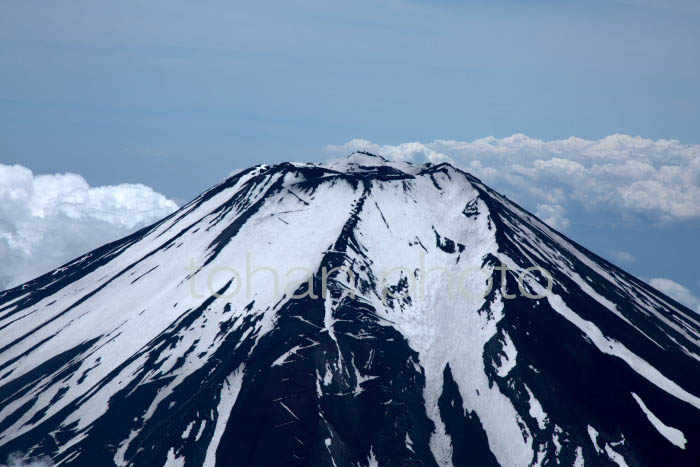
(623, 256)
(47, 220)
(676, 291)
(631, 176)
(554, 215)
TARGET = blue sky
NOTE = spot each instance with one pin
(175, 95)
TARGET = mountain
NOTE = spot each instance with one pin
(356, 313)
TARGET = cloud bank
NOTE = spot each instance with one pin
(47, 220)
(620, 174)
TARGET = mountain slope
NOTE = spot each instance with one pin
(362, 312)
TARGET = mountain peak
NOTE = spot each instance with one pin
(359, 312)
(365, 155)
(363, 162)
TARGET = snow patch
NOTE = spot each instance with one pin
(229, 394)
(578, 461)
(674, 435)
(536, 410)
(409, 443)
(372, 460)
(614, 456)
(508, 357)
(593, 434)
(173, 461)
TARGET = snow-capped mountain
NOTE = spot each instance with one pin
(356, 313)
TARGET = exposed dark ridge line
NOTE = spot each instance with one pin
(432, 168)
(347, 231)
(382, 214)
(346, 239)
(297, 197)
(435, 183)
(145, 273)
(17, 319)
